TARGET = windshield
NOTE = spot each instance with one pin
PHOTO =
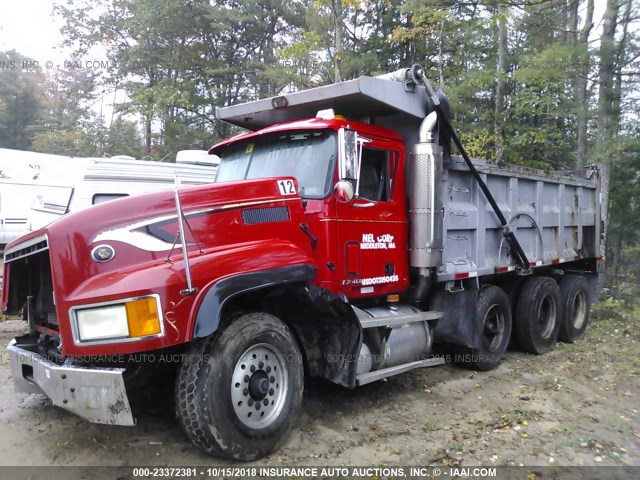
(306, 155)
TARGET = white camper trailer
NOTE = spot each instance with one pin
(37, 188)
(20, 175)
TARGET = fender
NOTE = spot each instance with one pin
(223, 273)
(208, 316)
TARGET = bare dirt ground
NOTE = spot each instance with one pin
(575, 406)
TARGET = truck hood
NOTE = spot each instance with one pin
(231, 229)
(143, 229)
(100, 222)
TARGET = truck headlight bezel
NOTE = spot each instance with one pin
(116, 320)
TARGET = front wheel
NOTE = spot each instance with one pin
(239, 393)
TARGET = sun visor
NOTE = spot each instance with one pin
(365, 98)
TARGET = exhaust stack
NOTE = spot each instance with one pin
(425, 203)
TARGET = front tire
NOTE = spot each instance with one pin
(538, 315)
(239, 393)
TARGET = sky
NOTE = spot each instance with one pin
(29, 27)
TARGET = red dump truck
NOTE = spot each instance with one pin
(341, 239)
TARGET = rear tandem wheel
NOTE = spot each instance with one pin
(574, 295)
(538, 315)
(494, 309)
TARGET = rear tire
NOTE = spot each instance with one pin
(494, 310)
(538, 315)
(239, 393)
(574, 295)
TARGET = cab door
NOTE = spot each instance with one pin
(372, 228)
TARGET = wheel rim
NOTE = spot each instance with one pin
(579, 310)
(493, 327)
(547, 316)
(259, 386)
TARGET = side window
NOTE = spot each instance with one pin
(105, 197)
(375, 183)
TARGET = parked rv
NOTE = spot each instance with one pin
(37, 188)
(20, 173)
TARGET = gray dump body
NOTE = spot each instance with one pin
(559, 217)
(555, 215)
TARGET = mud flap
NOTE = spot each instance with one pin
(458, 326)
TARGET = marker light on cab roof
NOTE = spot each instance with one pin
(327, 114)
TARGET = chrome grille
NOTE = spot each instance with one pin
(31, 285)
(25, 249)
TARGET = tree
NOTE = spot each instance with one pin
(69, 126)
(76, 142)
(179, 59)
(338, 52)
(624, 222)
(607, 127)
(22, 101)
(123, 138)
(501, 80)
(581, 93)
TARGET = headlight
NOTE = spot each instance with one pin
(103, 322)
(128, 320)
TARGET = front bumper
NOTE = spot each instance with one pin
(95, 394)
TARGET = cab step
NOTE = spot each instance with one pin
(391, 320)
(369, 377)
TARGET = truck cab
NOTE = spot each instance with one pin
(355, 211)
